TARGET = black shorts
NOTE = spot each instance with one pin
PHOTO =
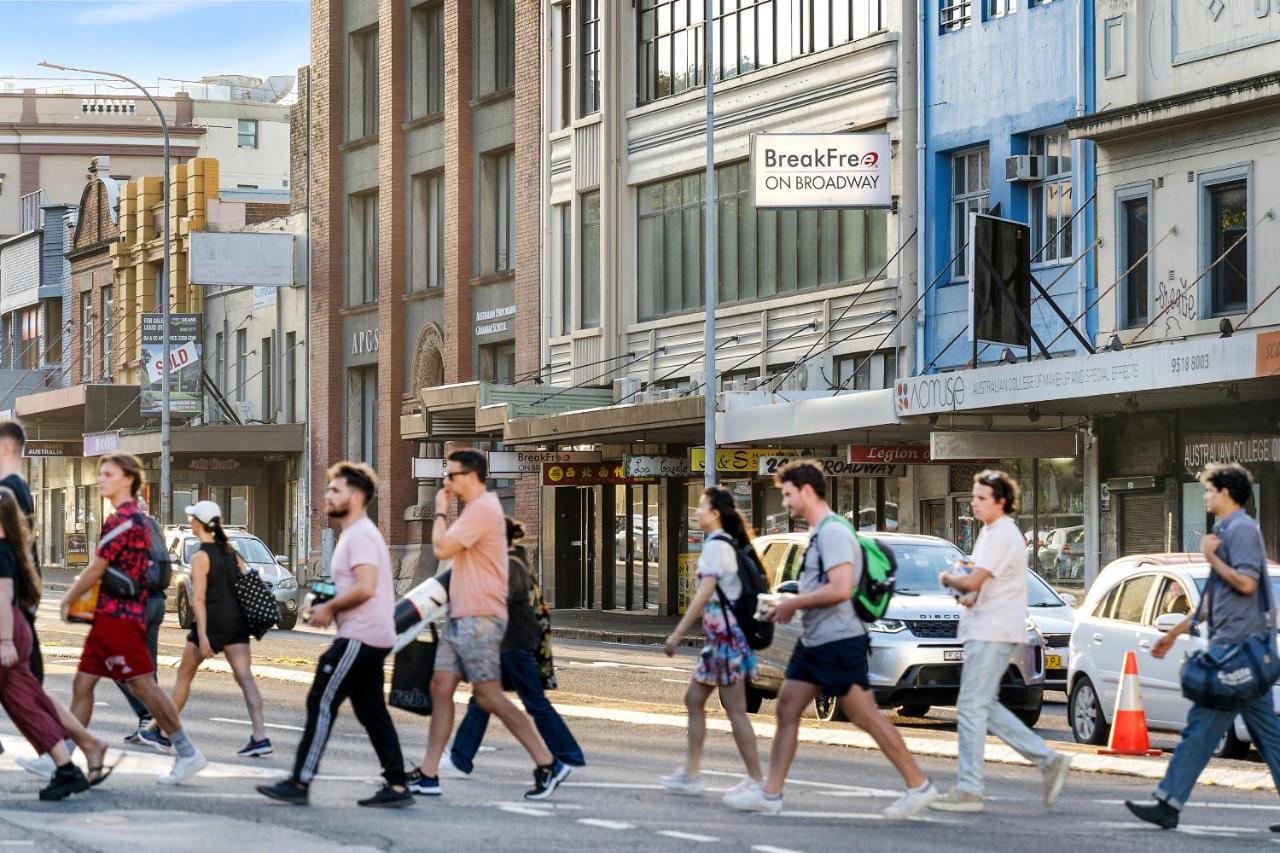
(834, 666)
(218, 643)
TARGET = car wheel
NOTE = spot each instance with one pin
(913, 710)
(186, 618)
(1084, 714)
(755, 699)
(1231, 746)
(1029, 716)
(828, 709)
(287, 620)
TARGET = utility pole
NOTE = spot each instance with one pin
(709, 358)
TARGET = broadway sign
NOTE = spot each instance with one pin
(834, 466)
(820, 170)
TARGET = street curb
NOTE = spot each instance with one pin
(1082, 760)
(621, 637)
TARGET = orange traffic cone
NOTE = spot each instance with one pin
(1129, 723)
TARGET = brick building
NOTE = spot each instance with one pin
(424, 143)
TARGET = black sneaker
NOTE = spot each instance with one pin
(66, 780)
(388, 797)
(547, 779)
(286, 791)
(1161, 814)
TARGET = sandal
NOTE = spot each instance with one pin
(100, 774)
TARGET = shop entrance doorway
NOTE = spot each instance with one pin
(575, 551)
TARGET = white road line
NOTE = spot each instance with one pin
(280, 726)
(637, 786)
(687, 836)
(1210, 805)
(544, 807)
(675, 680)
(807, 815)
(1189, 829)
(767, 848)
(832, 788)
(605, 664)
(524, 810)
(605, 824)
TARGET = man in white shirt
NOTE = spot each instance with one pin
(993, 624)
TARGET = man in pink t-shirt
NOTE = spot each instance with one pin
(471, 644)
(351, 668)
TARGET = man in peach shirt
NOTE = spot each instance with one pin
(471, 644)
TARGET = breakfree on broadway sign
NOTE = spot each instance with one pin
(820, 170)
(1174, 365)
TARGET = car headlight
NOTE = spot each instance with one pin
(888, 626)
(288, 583)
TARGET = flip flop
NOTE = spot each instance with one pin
(103, 773)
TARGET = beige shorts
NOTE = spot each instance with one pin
(471, 648)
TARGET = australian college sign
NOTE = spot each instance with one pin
(820, 170)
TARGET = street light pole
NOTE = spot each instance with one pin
(166, 475)
(709, 358)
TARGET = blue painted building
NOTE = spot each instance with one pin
(1001, 78)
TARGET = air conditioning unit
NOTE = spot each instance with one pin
(1024, 167)
(626, 389)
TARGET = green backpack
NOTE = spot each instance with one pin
(879, 569)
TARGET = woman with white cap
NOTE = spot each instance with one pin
(220, 624)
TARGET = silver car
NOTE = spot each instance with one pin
(915, 656)
(183, 544)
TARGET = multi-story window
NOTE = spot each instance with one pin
(109, 323)
(1051, 223)
(426, 59)
(362, 85)
(590, 298)
(564, 220)
(564, 65)
(867, 371)
(242, 364)
(426, 245)
(362, 413)
(86, 337)
(362, 249)
(495, 47)
(970, 193)
(762, 253)
(498, 363)
(954, 14)
(290, 356)
(497, 218)
(750, 34)
(1000, 8)
(247, 133)
(1228, 225)
(1134, 241)
(589, 55)
(267, 371)
(220, 362)
(28, 356)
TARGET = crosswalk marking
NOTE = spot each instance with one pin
(687, 836)
(606, 824)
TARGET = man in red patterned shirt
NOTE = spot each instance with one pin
(116, 647)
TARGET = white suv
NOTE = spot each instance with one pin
(1135, 600)
(915, 656)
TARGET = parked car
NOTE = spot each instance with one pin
(1054, 617)
(915, 656)
(274, 570)
(1062, 554)
(1134, 600)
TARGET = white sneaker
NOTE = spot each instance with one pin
(185, 769)
(911, 803)
(745, 785)
(958, 800)
(681, 782)
(41, 766)
(449, 771)
(1055, 776)
(753, 800)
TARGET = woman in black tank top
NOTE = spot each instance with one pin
(220, 624)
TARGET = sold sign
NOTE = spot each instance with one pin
(179, 357)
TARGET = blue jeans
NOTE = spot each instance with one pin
(520, 671)
(978, 711)
(1205, 728)
(155, 618)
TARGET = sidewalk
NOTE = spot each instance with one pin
(620, 626)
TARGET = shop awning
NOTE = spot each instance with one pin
(849, 416)
(79, 409)
(471, 410)
(674, 421)
(220, 438)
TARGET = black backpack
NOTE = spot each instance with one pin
(750, 573)
(159, 563)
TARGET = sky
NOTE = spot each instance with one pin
(151, 39)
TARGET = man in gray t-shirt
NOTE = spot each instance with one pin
(834, 544)
(1237, 579)
(832, 655)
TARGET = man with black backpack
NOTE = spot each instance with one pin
(831, 657)
(159, 572)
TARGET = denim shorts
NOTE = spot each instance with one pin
(471, 648)
(834, 666)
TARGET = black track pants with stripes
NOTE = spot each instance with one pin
(349, 670)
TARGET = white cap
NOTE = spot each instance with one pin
(206, 511)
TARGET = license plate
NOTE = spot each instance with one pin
(953, 654)
(1053, 661)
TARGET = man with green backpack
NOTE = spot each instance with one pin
(832, 655)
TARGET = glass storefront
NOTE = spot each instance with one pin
(870, 503)
(636, 532)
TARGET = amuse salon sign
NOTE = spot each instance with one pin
(820, 170)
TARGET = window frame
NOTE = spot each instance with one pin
(565, 63)
(497, 173)
(589, 299)
(587, 55)
(108, 332)
(996, 9)
(362, 249)
(954, 15)
(426, 212)
(86, 337)
(982, 195)
(1124, 196)
(493, 71)
(1207, 183)
(426, 35)
(242, 365)
(1060, 250)
(566, 243)
(240, 133)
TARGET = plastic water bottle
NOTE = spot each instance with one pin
(963, 566)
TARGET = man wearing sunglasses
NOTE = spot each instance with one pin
(471, 645)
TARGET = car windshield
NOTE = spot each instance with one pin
(1039, 594)
(919, 566)
(251, 549)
